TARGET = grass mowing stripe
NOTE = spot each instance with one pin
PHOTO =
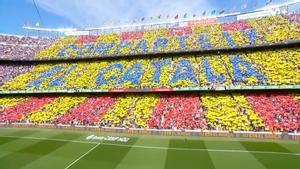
(10, 145)
(141, 158)
(264, 146)
(68, 135)
(272, 161)
(295, 148)
(82, 156)
(61, 157)
(231, 160)
(104, 156)
(5, 140)
(22, 133)
(14, 146)
(29, 154)
(188, 159)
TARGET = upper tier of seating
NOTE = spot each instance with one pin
(260, 68)
(241, 33)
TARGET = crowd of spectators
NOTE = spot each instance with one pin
(88, 112)
(230, 111)
(22, 47)
(294, 18)
(267, 30)
(22, 107)
(273, 29)
(130, 111)
(177, 111)
(9, 71)
(268, 67)
(248, 111)
(279, 112)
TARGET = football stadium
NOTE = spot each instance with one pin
(211, 88)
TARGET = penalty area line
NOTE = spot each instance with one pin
(83, 155)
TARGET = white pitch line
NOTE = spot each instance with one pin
(196, 149)
(82, 156)
(158, 148)
(51, 139)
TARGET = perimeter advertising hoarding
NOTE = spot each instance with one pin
(196, 133)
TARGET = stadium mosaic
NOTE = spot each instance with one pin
(250, 111)
(273, 67)
(229, 111)
(268, 30)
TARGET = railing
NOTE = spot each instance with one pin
(195, 133)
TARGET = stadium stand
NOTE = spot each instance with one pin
(21, 47)
(267, 30)
(242, 111)
(268, 67)
(264, 110)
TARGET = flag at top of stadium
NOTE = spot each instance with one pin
(72, 15)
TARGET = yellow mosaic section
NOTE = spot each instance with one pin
(58, 107)
(279, 67)
(8, 101)
(114, 117)
(141, 112)
(229, 112)
(56, 47)
(269, 30)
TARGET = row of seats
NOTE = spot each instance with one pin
(21, 47)
(177, 111)
(268, 67)
(9, 71)
(266, 30)
(248, 111)
(272, 29)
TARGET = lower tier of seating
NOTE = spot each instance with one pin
(231, 111)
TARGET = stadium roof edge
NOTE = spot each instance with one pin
(280, 5)
(63, 30)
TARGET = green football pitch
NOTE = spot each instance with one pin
(55, 149)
